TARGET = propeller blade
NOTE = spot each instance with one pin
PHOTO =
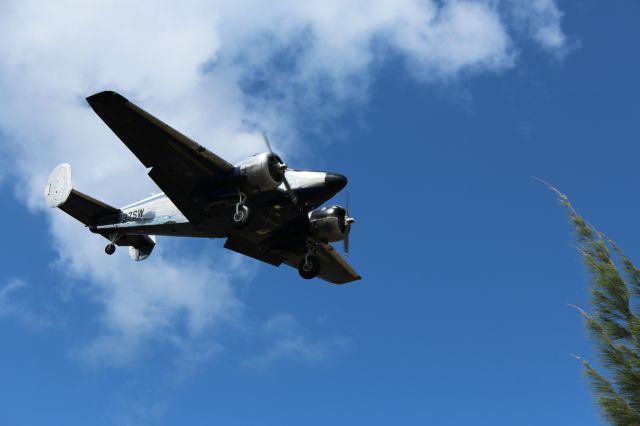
(266, 141)
(283, 168)
(345, 241)
(292, 195)
(347, 226)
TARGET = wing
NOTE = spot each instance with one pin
(333, 267)
(243, 246)
(179, 166)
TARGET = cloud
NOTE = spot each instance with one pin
(16, 305)
(541, 20)
(219, 72)
(461, 36)
(289, 341)
(165, 299)
(129, 408)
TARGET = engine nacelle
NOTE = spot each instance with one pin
(141, 253)
(261, 172)
(328, 223)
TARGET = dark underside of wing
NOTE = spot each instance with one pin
(135, 240)
(333, 267)
(179, 166)
(86, 209)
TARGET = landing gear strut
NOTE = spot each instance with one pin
(111, 247)
(309, 266)
(241, 216)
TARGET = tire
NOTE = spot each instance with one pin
(241, 218)
(110, 249)
(311, 270)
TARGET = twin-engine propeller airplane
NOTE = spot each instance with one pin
(263, 208)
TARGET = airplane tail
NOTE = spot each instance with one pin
(59, 192)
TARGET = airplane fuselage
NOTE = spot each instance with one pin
(158, 215)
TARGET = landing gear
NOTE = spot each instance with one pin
(111, 247)
(309, 266)
(241, 216)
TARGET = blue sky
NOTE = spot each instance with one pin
(462, 315)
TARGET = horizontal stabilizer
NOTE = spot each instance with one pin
(59, 192)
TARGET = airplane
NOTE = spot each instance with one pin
(263, 208)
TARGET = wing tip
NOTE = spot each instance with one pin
(354, 279)
(351, 279)
(108, 96)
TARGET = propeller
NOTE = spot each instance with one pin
(282, 167)
(348, 221)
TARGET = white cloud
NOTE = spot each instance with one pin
(128, 408)
(462, 36)
(14, 306)
(541, 19)
(164, 299)
(217, 71)
(289, 341)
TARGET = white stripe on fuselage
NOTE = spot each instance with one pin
(303, 179)
(144, 200)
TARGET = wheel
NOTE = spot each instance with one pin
(241, 217)
(110, 249)
(309, 268)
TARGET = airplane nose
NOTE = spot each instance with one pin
(335, 181)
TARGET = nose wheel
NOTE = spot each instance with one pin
(309, 267)
(110, 249)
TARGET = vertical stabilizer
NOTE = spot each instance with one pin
(58, 187)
